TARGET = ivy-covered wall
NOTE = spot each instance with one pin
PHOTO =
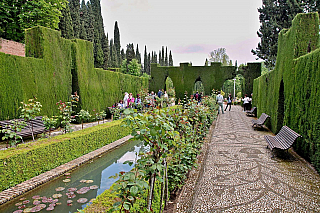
(185, 76)
(53, 69)
(290, 93)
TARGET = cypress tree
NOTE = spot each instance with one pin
(155, 57)
(130, 53)
(105, 50)
(149, 63)
(206, 63)
(145, 60)
(89, 25)
(75, 15)
(166, 58)
(275, 15)
(123, 55)
(138, 55)
(83, 16)
(170, 60)
(116, 37)
(160, 57)
(65, 24)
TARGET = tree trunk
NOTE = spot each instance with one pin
(151, 192)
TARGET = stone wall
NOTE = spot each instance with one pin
(12, 47)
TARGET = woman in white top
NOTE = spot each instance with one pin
(125, 99)
(245, 102)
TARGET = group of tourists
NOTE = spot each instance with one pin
(128, 101)
(246, 102)
(198, 96)
(135, 102)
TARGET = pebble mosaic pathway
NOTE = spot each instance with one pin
(239, 174)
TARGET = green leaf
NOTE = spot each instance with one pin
(134, 190)
(126, 205)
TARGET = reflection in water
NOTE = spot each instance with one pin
(99, 170)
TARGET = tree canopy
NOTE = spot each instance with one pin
(220, 55)
(16, 16)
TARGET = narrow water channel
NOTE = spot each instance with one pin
(87, 182)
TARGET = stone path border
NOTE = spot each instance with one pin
(34, 182)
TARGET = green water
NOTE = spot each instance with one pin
(99, 170)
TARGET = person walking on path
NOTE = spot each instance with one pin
(229, 102)
(245, 102)
(219, 100)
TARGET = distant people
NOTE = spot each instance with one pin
(125, 99)
(196, 96)
(137, 101)
(165, 95)
(121, 105)
(219, 100)
(245, 100)
(200, 97)
(229, 102)
(153, 98)
(250, 102)
(159, 93)
(130, 100)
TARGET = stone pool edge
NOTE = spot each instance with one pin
(36, 181)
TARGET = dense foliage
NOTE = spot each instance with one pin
(290, 93)
(16, 16)
(276, 15)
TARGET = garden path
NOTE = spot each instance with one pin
(239, 174)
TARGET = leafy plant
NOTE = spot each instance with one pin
(100, 115)
(65, 110)
(29, 111)
(49, 123)
(10, 131)
(83, 115)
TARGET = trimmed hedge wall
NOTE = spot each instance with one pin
(29, 160)
(185, 76)
(290, 93)
(59, 67)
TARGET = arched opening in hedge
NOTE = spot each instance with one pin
(169, 87)
(198, 86)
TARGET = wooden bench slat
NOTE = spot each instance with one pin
(283, 140)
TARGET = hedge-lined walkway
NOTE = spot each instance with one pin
(240, 176)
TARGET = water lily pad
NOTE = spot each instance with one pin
(89, 181)
(69, 204)
(18, 204)
(52, 204)
(66, 180)
(58, 203)
(23, 198)
(42, 205)
(36, 197)
(82, 200)
(60, 189)
(36, 202)
(69, 201)
(18, 211)
(71, 195)
(94, 187)
(55, 201)
(57, 195)
(50, 208)
(72, 189)
(26, 201)
(66, 174)
(68, 177)
(83, 190)
(83, 181)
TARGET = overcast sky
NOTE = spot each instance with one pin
(190, 29)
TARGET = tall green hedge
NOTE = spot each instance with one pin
(290, 93)
(53, 69)
(29, 160)
(185, 76)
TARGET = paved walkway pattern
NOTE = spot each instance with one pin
(240, 175)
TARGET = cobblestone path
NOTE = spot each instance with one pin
(240, 175)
